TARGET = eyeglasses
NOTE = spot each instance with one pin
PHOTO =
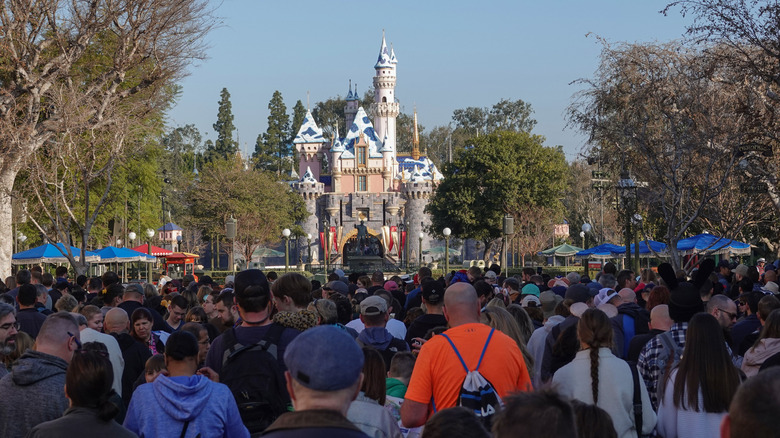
(78, 343)
(8, 325)
(731, 315)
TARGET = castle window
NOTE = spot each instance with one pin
(361, 156)
(362, 183)
(384, 99)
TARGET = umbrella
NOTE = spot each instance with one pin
(49, 253)
(439, 251)
(564, 250)
(711, 244)
(156, 250)
(603, 251)
(112, 254)
(264, 252)
(646, 247)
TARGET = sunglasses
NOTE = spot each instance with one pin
(730, 314)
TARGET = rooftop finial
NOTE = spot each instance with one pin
(415, 138)
(308, 104)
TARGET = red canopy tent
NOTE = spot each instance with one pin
(186, 259)
(156, 250)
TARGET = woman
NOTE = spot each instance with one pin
(767, 345)
(141, 322)
(196, 314)
(658, 295)
(524, 321)
(596, 376)
(503, 321)
(697, 393)
(88, 388)
(367, 411)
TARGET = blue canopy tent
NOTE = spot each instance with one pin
(647, 248)
(50, 253)
(603, 251)
(112, 254)
(710, 244)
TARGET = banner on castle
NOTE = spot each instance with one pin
(322, 241)
(335, 238)
(393, 230)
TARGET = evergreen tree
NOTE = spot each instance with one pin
(274, 148)
(225, 146)
(299, 113)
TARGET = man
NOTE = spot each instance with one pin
(626, 279)
(134, 353)
(724, 273)
(539, 413)
(183, 402)
(527, 273)
(23, 276)
(377, 282)
(292, 295)
(660, 322)
(373, 315)
(413, 297)
(753, 411)
(395, 327)
(41, 298)
(724, 310)
(227, 311)
(433, 298)
(94, 287)
(766, 305)
(511, 290)
(438, 374)
(114, 352)
(32, 392)
(177, 310)
(29, 318)
(564, 332)
(133, 298)
(321, 390)
(257, 329)
(748, 304)
(8, 330)
(630, 321)
(335, 287)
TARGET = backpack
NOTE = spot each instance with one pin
(476, 392)
(672, 353)
(252, 374)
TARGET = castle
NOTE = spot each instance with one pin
(368, 200)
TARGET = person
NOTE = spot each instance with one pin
(766, 305)
(395, 327)
(225, 305)
(753, 411)
(134, 353)
(88, 383)
(724, 310)
(373, 315)
(177, 310)
(592, 421)
(631, 319)
(697, 393)
(292, 295)
(133, 298)
(155, 366)
(32, 392)
(456, 422)
(201, 333)
(500, 319)
(29, 318)
(241, 370)
(748, 305)
(8, 330)
(367, 411)
(321, 390)
(767, 345)
(413, 298)
(438, 374)
(533, 414)
(141, 330)
(112, 346)
(596, 376)
(432, 294)
(660, 322)
(185, 402)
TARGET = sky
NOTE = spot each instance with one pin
(451, 55)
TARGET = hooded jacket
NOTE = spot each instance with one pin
(755, 357)
(382, 341)
(32, 393)
(641, 325)
(161, 409)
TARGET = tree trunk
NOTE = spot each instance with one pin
(7, 177)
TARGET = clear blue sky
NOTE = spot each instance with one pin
(451, 55)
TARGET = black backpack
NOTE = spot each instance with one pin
(253, 375)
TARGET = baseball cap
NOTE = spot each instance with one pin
(390, 285)
(339, 359)
(530, 289)
(605, 294)
(490, 275)
(433, 291)
(373, 305)
(337, 286)
(531, 301)
(579, 293)
(741, 270)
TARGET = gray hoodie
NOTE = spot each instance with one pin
(32, 393)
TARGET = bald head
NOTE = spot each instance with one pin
(57, 336)
(659, 318)
(461, 305)
(116, 321)
(627, 295)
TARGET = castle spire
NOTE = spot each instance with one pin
(384, 59)
(416, 139)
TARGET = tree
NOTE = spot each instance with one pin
(505, 172)
(656, 110)
(273, 147)
(506, 115)
(261, 203)
(299, 113)
(73, 68)
(224, 146)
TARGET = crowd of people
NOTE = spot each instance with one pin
(474, 353)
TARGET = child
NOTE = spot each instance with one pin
(154, 366)
(401, 367)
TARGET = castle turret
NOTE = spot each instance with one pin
(309, 144)
(310, 190)
(385, 108)
(417, 191)
(350, 109)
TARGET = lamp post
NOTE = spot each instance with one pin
(446, 233)
(286, 234)
(21, 238)
(231, 226)
(636, 221)
(586, 228)
(627, 191)
(325, 245)
(419, 261)
(149, 235)
(308, 246)
(401, 247)
(509, 229)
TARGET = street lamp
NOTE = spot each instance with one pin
(508, 229)
(21, 238)
(178, 243)
(421, 235)
(131, 237)
(586, 228)
(149, 235)
(627, 191)
(308, 246)
(636, 221)
(401, 246)
(231, 227)
(446, 233)
(286, 234)
(325, 244)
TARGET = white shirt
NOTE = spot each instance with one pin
(676, 422)
(394, 326)
(114, 354)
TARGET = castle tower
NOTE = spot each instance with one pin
(310, 190)
(309, 144)
(417, 191)
(385, 108)
(350, 109)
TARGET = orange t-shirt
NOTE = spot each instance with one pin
(439, 373)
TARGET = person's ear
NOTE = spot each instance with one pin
(288, 383)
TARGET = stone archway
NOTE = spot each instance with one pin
(373, 248)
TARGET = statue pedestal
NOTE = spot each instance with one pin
(368, 264)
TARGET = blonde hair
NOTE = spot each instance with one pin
(503, 321)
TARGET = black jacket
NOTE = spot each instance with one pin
(135, 355)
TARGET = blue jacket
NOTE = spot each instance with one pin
(161, 408)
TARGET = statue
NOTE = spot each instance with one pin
(362, 236)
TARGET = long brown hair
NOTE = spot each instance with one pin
(705, 366)
(503, 321)
(374, 374)
(595, 331)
